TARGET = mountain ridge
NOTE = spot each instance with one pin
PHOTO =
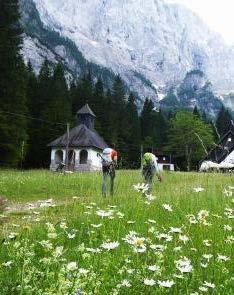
(151, 47)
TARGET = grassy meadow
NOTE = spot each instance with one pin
(60, 237)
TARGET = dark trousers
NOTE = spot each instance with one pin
(148, 174)
(108, 174)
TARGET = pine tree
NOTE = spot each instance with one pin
(119, 118)
(223, 122)
(13, 134)
(97, 106)
(38, 100)
(134, 133)
(147, 123)
(56, 110)
(83, 93)
(32, 93)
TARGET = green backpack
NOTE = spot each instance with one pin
(147, 160)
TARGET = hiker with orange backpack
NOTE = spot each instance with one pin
(109, 159)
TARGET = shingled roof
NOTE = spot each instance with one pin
(85, 110)
(223, 148)
(80, 136)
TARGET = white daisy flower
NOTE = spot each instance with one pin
(184, 265)
(198, 189)
(72, 266)
(126, 283)
(110, 245)
(166, 284)
(103, 213)
(209, 285)
(221, 258)
(183, 238)
(7, 264)
(149, 282)
(167, 207)
(153, 267)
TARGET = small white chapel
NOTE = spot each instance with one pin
(84, 144)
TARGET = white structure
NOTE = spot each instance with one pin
(84, 144)
(165, 163)
(222, 156)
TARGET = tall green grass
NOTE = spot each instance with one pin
(30, 266)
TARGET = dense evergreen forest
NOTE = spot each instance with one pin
(34, 110)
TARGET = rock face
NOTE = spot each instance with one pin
(150, 43)
(194, 91)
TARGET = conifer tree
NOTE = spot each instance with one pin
(97, 105)
(134, 133)
(56, 110)
(119, 118)
(38, 129)
(223, 122)
(13, 134)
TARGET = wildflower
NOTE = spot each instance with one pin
(52, 235)
(221, 258)
(46, 244)
(227, 227)
(198, 189)
(149, 282)
(209, 285)
(229, 240)
(166, 284)
(103, 213)
(110, 245)
(227, 193)
(58, 251)
(207, 243)
(126, 283)
(184, 265)
(63, 225)
(207, 256)
(202, 215)
(166, 237)
(153, 268)
(96, 225)
(204, 265)
(159, 248)
(150, 198)
(120, 215)
(176, 230)
(11, 236)
(183, 238)
(93, 250)
(141, 187)
(151, 221)
(83, 271)
(167, 207)
(177, 249)
(72, 266)
(203, 289)
(131, 222)
(139, 249)
(71, 236)
(192, 219)
(7, 264)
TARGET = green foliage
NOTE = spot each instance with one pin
(223, 122)
(188, 137)
(12, 85)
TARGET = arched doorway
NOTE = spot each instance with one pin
(58, 156)
(83, 157)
